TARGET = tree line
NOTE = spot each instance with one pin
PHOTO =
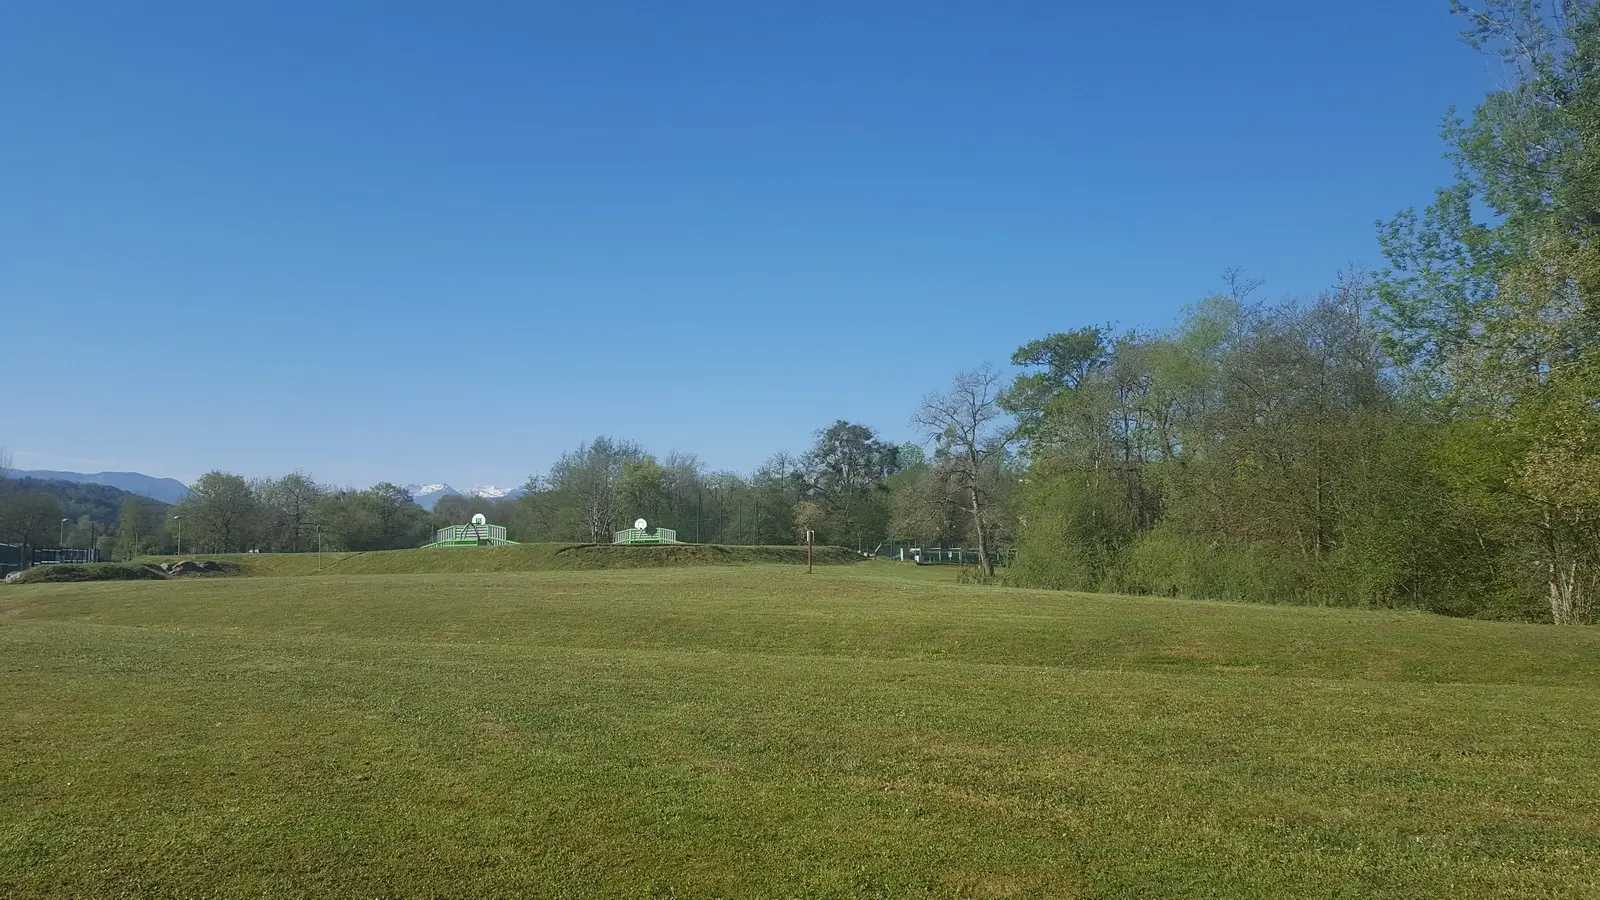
(1427, 436)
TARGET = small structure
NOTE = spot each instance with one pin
(477, 534)
(640, 533)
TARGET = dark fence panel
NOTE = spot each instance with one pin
(15, 557)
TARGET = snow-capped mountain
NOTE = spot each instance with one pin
(427, 495)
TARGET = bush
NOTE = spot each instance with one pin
(1177, 565)
(974, 575)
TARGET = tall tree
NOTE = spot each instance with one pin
(846, 474)
(584, 487)
(775, 489)
(641, 489)
(1224, 458)
(221, 514)
(289, 502)
(398, 521)
(1055, 365)
(31, 518)
(962, 425)
(382, 517)
(1497, 315)
(139, 526)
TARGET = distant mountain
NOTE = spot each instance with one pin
(167, 490)
(171, 490)
(427, 495)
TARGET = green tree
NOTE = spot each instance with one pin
(775, 489)
(397, 521)
(382, 517)
(139, 528)
(289, 503)
(846, 475)
(454, 509)
(582, 489)
(641, 489)
(221, 514)
(1496, 317)
(30, 518)
(1231, 456)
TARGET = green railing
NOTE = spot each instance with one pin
(645, 536)
(470, 536)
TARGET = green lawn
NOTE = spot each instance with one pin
(869, 730)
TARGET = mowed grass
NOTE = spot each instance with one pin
(866, 731)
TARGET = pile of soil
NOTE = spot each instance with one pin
(60, 572)
(199, 567)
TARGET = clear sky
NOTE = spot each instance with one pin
(448, 241)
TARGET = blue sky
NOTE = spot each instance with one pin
(449, 241)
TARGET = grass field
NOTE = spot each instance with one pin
(750, 731)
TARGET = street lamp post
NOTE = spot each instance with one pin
(179, 520)
(63, 541)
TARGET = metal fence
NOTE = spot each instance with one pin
(937, 556)
(16, 557)
(645, 536)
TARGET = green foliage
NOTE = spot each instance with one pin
(222, 514)
(1269, 453)
(1498, 320)
(845, 475)
(1060, 363)
(141, 526)
(382, 517)
(1076, 527)
(31, 517)
(288, 505)
(1255, 453)
(100, 503)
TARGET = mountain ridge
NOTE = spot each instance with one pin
(171, 491)
(166, 490)
(427, 495)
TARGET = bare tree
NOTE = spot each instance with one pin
(5, 463)
(962, 423)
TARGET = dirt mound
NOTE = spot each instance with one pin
(199, 567)
(63, 572)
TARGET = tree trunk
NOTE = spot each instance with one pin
(1569, 595)
(1571, 582)
(984, 562)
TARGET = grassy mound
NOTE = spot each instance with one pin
(61, 572)
(517, 558)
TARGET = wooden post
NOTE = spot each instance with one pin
(809, 535)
